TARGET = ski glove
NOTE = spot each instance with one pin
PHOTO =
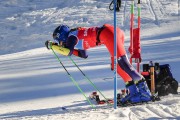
(80, 53)
(49, 44)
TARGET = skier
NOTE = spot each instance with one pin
(77, 40)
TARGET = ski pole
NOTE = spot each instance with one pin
(95, 87)
(73, 80)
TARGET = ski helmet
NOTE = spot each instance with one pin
(61, 33)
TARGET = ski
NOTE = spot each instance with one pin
(95, 97)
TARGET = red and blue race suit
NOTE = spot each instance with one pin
(83, 38)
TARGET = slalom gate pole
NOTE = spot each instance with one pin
(131, 28)
(95, 87)
(115, 57)
(139, 14)
(139, 23)
(73, 80)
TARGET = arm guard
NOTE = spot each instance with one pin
(61, 50)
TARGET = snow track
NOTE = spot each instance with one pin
(34, 86)
(152, 9)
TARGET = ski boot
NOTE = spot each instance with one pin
(133, 96)
(144, 91)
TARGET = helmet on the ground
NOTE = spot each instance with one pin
(61, 33)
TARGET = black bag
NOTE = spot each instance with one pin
(164, 80)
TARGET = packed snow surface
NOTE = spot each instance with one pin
(33, 84)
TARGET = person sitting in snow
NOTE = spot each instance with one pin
(76, 41)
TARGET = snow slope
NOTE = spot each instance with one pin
(34, 86)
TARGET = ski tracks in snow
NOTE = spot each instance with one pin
(158, 110)
(157, 10)
(164, 109)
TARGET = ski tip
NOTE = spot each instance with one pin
(110, 101)
(101, 102)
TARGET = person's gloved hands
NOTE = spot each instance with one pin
(48, 44)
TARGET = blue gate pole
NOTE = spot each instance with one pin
(115, 58)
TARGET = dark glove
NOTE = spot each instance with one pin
(82, 54)
(48, 44)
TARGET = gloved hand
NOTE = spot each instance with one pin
(48, 44)
(80, 53)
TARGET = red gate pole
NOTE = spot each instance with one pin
(131, 30)
(139, 23)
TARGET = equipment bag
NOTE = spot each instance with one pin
(164, 80)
